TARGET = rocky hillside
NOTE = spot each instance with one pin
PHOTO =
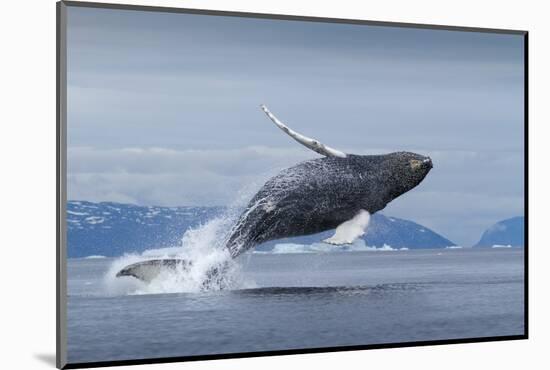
(508, 232)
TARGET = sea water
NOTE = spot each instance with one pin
(294, 301)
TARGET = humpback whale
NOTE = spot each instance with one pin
(336, 191)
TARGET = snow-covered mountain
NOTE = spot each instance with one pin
(509, 232)
(112, 229)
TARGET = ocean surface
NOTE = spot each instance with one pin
(293, 301)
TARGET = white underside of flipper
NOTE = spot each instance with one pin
(310, 143)
(348, 231)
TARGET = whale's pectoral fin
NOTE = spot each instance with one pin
(148, 270)
(348, 231)
(310, 143)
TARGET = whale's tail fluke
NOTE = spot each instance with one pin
(149, 270)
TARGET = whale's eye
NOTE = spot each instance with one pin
(415, 164)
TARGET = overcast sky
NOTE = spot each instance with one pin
(163, 109)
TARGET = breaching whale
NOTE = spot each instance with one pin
(338, 190)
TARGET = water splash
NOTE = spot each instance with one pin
(204, 247)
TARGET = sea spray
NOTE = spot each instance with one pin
(205, 250)
(202, 246)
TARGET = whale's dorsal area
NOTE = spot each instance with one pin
(348, 231)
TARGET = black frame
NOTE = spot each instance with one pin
(61, 196)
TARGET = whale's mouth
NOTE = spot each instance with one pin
(417, 164)
(428, 162)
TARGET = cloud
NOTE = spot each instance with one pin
(158, 176)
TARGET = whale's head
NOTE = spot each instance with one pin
(403, 171)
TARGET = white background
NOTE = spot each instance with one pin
(27, 227)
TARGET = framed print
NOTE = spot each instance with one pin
(235, 184)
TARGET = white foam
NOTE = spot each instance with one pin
(77, 213)
(93, 257)
(95, 220)
(203, 246)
